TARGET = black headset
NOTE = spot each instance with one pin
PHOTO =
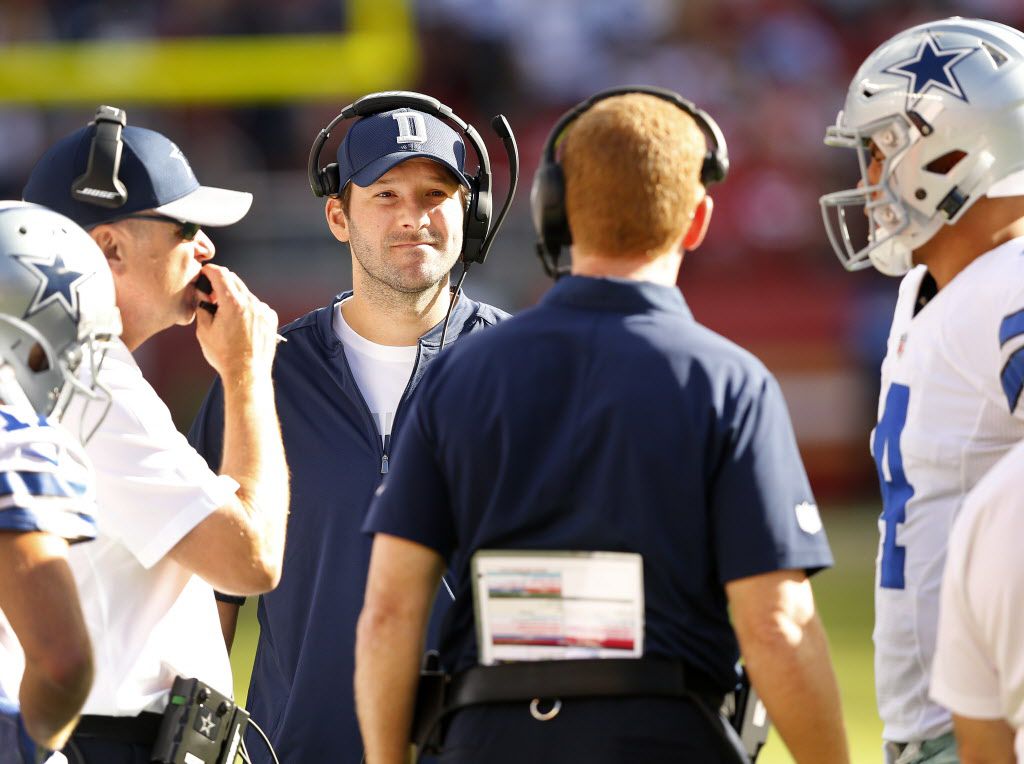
(99, 184)
(325, 181)
(547, 197)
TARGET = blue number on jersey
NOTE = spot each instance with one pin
(896, 491)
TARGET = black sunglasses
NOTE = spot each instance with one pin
(188, 231)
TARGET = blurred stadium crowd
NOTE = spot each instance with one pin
(772, 72)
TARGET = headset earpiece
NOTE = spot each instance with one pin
(329, 180)
(547, 207)
(478, 220)
(547, 196)
(712, 170)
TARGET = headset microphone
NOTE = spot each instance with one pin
(508, 140)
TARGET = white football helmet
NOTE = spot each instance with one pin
(943, 103)
(57, 311)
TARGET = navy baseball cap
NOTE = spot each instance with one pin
(378, 142)
(155, 173)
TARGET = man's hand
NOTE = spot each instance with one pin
(241, 337)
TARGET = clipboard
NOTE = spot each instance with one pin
(557, 605)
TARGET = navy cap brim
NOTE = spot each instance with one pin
(375, 169)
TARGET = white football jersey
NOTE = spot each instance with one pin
(46, 484)
(949, 409)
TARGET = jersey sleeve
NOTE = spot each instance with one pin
(152, 486)
(46, 483)
(413, 502)
(763, 515)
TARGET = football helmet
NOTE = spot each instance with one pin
(57, 312)
(940, 106)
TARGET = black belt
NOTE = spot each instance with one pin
(617, 677)
(439, 695)
(137, 730)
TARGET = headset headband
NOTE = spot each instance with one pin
(324, 183)
(716, 161)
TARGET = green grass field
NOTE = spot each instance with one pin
(844, 597)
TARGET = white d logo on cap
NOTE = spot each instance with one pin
(411, 127)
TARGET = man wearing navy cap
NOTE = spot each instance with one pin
(170, 528)
(343, 383)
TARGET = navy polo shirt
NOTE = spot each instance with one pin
(607, 418)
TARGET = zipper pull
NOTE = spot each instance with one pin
(386, 445)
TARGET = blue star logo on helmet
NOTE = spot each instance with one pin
(932, 67)
(57, 284)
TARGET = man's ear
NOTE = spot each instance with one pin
(699, 225)
(110, 240)
(336, 219)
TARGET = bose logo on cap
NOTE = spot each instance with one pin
(411, 127)
(98, 192)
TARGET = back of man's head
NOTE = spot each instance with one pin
(632, 175)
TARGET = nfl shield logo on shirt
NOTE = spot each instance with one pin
(808, 517)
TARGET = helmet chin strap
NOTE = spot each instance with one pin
(891, 257)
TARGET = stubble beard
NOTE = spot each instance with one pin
(385, 284)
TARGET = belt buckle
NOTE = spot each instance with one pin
(544, 716)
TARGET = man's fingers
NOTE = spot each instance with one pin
(269, 315)
(224, 282)
(204, 316)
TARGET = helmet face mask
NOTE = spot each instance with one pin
(876, 201)
(942, 106)
(57, 314)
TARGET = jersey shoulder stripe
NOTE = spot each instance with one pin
(46, 483)
(66, 523)
(15, 483)
(1011, 326)
(1012, 378)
